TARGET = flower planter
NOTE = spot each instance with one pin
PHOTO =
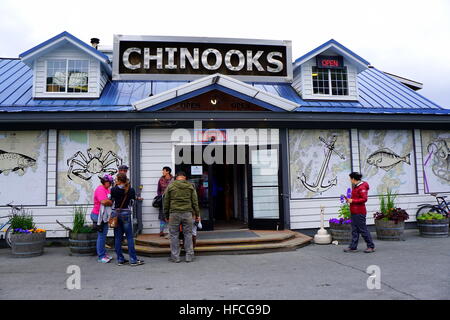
(389, 230)
(433, 228)
(342, 233)
(28, 245)
(82, 244)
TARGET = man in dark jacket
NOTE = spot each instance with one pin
(180, 206)
(358, 211)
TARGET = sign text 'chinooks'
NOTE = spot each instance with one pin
(174, 58)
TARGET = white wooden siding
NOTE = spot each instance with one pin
(304, 85)
(306, 213)
(67, 51)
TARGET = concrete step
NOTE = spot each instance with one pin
(297, 240)
(262, 236)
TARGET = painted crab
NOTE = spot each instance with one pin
(95, 163)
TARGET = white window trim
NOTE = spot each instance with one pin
(330, 86)
(67, 75)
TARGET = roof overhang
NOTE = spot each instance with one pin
(219, 81)
(29, 56)
(360, 63)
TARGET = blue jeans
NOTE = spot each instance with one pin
(359, 227)
(101, 237)
(125, 225)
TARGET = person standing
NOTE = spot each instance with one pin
(358, 212)
(163, 182)
(101, 200)
(122, 196)
(180, 206)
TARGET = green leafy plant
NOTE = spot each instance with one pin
(344, 211)
(388, 210)
(22, 221)
(431, 216)
(79, 220)
(387, 202)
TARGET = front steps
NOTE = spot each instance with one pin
(227, 242)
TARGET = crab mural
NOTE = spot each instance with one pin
(95, 163)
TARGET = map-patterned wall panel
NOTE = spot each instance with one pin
(436, 160)
(320, 162)
(388, 161)
(23, 167)
(85, 155)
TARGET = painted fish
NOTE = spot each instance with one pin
(10, 161)
(387, 159)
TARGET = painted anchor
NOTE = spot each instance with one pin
(318, 186)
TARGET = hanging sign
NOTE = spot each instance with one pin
(185, 58)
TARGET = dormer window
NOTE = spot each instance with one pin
(327, 81)
(67, 76)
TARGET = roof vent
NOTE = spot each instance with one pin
(95, 42)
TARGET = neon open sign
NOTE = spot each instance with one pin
(330, 62)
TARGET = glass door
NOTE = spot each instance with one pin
(265, 211)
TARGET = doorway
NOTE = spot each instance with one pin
(234, 194)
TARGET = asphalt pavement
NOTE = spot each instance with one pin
(417, 268)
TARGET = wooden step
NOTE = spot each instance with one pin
(263, 236)
(297, 241)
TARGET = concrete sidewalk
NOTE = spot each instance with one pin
(417, 268)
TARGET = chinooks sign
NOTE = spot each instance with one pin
(183, 58)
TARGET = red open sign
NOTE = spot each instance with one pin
(330, 62)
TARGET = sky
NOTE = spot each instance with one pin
(407, 38)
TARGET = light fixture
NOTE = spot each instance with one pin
(315, 74)
(213, 101)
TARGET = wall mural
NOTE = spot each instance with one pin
(85, 155)
(436, 160)
(384, 168)
(23, 167)
(320, 161)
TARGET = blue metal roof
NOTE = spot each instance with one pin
(378, 93)
(337, 44)
(94, 51)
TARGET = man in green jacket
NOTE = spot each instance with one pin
(180, 206)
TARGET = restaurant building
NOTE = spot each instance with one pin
(266, 138)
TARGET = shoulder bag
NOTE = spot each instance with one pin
(114, 219)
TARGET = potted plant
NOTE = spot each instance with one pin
(390, 220)
(82, 237)
(26, 239)
(341, 229)
(433, 225)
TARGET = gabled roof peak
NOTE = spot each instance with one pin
(57, 40)
(333, 44)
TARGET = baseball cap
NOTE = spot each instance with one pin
(107, 178)
(123, 167)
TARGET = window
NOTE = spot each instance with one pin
(330, 81)
(67, 76)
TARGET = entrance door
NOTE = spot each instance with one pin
(265, 211)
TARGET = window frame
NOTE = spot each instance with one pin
(330, 83)
(66, 88)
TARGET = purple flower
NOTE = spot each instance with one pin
(349, 193)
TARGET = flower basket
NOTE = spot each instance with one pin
(82, 244)
(433, 225)
(25, 245)
(389, 230)
(342, 233)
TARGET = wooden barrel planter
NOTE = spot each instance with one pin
(342, 233)
(389, 230)
(433, 228)
(28, 245)
(83, 244)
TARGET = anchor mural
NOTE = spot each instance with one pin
(319, 186)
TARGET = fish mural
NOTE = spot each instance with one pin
(386, 159)
(15, 162)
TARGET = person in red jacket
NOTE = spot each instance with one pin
(360, 192)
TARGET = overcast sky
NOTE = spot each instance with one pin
(408, 38)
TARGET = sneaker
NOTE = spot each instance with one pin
(137, 263)
(104, 260)
(189, 258)
(174, 260)
(369, 250)
(350, 250)
(109, 257)
(121, 263)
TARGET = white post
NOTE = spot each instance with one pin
(322, 236)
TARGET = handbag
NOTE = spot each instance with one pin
(157, 202)
(114, 220)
